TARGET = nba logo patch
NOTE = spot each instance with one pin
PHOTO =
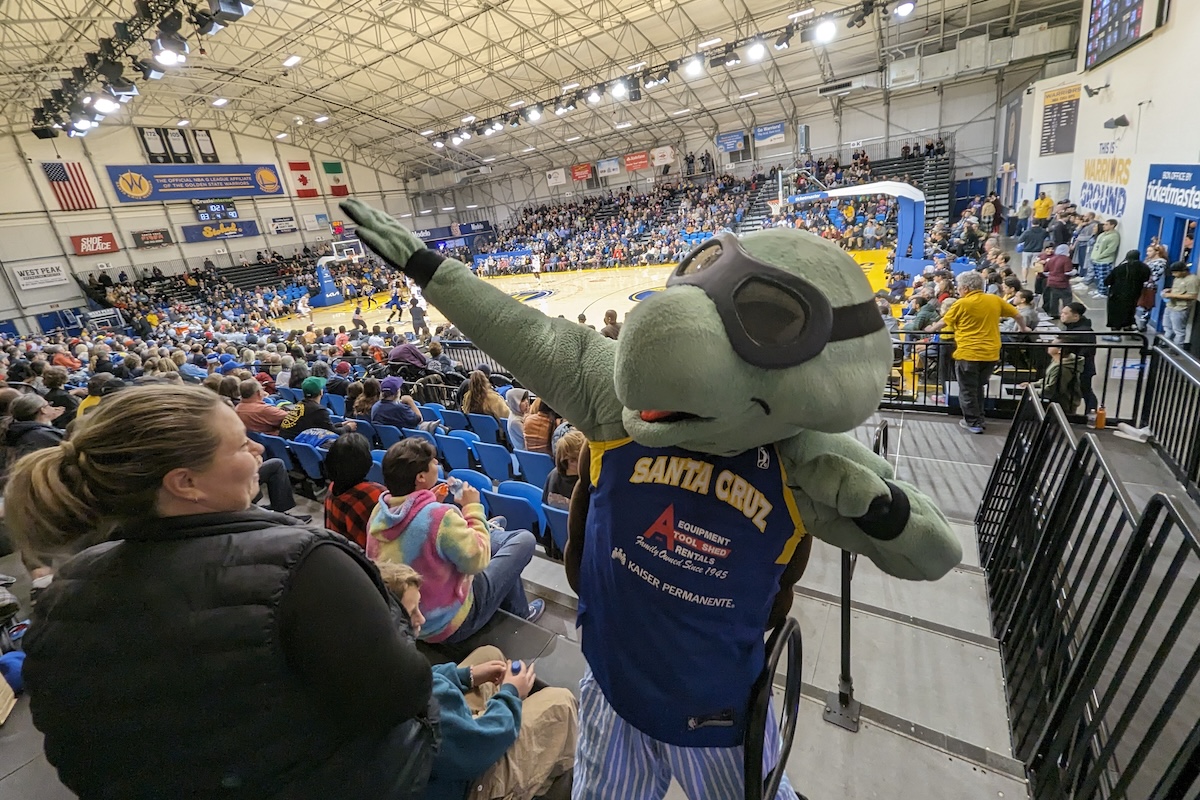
(764, 458)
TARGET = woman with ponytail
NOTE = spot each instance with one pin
(195, 645)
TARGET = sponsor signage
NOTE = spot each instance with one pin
(450, 231)
(105, 318)
(166, 182)
(284, 225)
(315, 222)
(40, 276)
(556, 177)
(92, 244)
(1176, 186)
(226, 229)
(607, 167)
(636, 161)
(661, 156)
(159, 237)
(771, 133)
(581, 172)
(731, 142)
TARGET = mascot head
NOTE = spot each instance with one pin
(753, 339)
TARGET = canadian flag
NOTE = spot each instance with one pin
(303, 180)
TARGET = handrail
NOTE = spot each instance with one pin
(1171, 408)
(1096, 608)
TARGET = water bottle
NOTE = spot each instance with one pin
(456, 488)
(516, 667)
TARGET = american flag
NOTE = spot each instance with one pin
(69, 184)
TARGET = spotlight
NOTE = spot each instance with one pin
(514, 120)
(44, 126)
(619, 90)
(455, 140)
(466, 135)
(826, 32)
(489, 131)
(731, 57)
(106, 105)
(694, 68)
(635, 90)
(121, 89)
(439, 144)
(206, 24)
(785, 38)
(227, 11)
(905, 8)
(497, 126)
(534, 114)
(170, 49)
(560, 108)
(595, 94)
(756, 50)
(150, 71)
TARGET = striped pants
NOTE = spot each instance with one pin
(1100, 272)
(615, 761)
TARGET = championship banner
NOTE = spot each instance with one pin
(731, 142)
(159, 237)
(158, 183)
(607, 167)
(179, 147)
(661, 156)
(284, 225)
(771, 133)
(91, 244)
(154, 142)
(556, 177)
(581, 172)
(40, 276)
(636, 161)
(228, 229)
(205, 147)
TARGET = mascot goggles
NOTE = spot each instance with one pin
(773, 318)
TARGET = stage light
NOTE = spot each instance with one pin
(826, 32)
(489, 131)
(121, 89)
(905, 8)
(731, 57)
(560, 108)
(206, 24)
(497, 126)
(534, 114)
(595, 94)
(455, 140)
(170, 49)
(439, 144)
(694, 68)
(150, 71)
(227, 11)
(106, 105)
(514, 121)
(756, 50)
(785, 38)
(466, 135)
(619, 90)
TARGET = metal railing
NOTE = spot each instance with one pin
(923, 374)
(1095, 608)
(1172, 408)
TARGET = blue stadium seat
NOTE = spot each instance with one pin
(535, 467)
(487, 427)
(367, 430)
(377, 455)
(496, 461)
(375, 473)
(455, 420)
(291, 395)
(413, 433)
(557, 520)
(276, 448)
(531, 493)
(470, 437)
(311, 460)
(388, 435)
(456, 451)
(477, 479)
(336, 403)
(429, 414)
(516, 510)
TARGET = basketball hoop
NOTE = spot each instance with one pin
(773, 205)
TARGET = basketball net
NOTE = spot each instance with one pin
(773, 205)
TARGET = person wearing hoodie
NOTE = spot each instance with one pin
(500, 739)
(1058, 270)
(30, 426)
(469, 572)
(517, 401)
(1077, 330)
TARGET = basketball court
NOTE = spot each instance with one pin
(569, 294)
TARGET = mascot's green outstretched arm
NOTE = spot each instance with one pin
(568, 364)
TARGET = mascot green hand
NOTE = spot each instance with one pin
(717, 433)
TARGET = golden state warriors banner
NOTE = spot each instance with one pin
(166, 182)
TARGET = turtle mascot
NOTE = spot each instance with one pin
(717, 428)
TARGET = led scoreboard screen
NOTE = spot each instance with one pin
(215, 210)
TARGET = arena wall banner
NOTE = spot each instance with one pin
(154, 142)
(139, 183)
(316, 222)
(40, 276)
(179, 147)
(636, 161)
(661, 156)
(607, 167)
(91, 244)
(771, 133)
(284, 225)
(451, 231)
(205, 146)
(731, 142)
(159, 237)
(581, 172)
(228, 229)
(556, 177)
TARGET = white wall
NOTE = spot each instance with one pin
(1151, 85)
(33, 231)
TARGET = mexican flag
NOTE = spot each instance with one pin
(335, 177)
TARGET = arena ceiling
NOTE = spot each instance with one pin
(384, 71)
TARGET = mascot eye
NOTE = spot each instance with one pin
(701, 259)
(770, 314)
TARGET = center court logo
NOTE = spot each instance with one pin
(644, 294)
(531, 295)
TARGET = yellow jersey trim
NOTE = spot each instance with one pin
(789, 547)
(598, 449)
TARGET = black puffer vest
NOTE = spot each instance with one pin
(156, 670)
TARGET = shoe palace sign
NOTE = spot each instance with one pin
(94, 244)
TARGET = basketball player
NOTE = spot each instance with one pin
(395, 304)
(368, 291)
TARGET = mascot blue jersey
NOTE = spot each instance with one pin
(682, 559)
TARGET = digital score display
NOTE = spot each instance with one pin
(1116, 25)
(215, 210)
